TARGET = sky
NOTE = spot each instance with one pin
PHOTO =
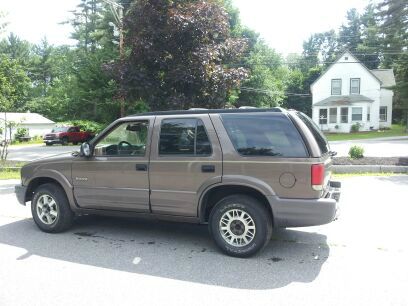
(283, 24)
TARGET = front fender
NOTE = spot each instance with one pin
(55, 176)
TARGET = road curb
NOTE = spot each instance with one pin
(369, 169)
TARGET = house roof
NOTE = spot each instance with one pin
(343, 100)
(26, 118)
(386, 76)
(337, 61)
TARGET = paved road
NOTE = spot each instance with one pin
(383, 147)
(32, 152)
(361, 259)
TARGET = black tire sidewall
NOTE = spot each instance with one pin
(65, 214)
(258, 213)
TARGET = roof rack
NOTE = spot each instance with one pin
(210, 111)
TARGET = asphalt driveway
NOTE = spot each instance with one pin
(36, 151)
(359, 259)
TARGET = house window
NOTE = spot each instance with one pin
(383, 113)
(356, 114)
(333, 115)
(336, 87)
(323, 116)
(368, 113)
(355, 86)
(344, 115)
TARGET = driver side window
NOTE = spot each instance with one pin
(126, 139)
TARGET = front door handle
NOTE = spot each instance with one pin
(207, 168)
(141, 167)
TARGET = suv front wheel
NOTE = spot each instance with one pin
(240, 225)
(50, 209)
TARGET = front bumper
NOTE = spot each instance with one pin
(20, 192)
(56, 140)
(306, 212)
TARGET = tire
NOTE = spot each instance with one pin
(58, 216)
(256, 226)
(48, 143)
(75, 143)
(64, 141)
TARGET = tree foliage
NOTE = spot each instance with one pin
(178, 54)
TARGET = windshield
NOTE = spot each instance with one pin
(59, 129)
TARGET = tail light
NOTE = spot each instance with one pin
(317, 175)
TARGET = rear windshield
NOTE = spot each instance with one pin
(317, 133)
(264, 135)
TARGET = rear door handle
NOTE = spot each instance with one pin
(207, 168)
(141, 167)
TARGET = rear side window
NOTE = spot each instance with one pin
(317, 133)
(184, 137)
(264, 135)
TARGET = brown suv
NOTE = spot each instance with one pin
(244, 172)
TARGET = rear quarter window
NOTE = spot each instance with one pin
(317, 133)
(264, 135)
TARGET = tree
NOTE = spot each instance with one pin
(178, 54)
(268, 79)
(394, 27)
(350, 34)
(14, 84)
(16, 49)
(369, 50)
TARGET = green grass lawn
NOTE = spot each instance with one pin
(396, 130)
(9, 174)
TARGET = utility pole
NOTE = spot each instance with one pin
(117, 11)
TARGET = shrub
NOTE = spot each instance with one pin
(356, 152)
(355, 127)
(21, 132)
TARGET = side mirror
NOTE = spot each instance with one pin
(85, 149)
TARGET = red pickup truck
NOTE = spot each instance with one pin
(67, 134)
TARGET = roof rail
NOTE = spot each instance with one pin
(210, 111)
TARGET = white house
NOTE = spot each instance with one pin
(36, 124)
(348, 93)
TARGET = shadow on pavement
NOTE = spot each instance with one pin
(172, 250)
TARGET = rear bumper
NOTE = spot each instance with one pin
(20, 192)
(306, 212)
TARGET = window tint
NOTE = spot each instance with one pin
(314, 129)
(203, 145)
(184, 137)
(128, 138)
(264, 135)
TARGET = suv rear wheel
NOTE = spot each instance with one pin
(240, 225)
(50, 209)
